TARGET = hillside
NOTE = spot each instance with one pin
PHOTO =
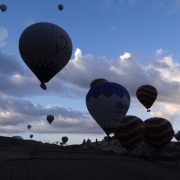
(30, 160)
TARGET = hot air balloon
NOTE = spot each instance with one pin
(177, 136)
(147, 94)
(130, 132)
(31, 136)
(108, 103)
(46, 49)
(60, 7)
(29, 126)
(64, 139)
(158, 133)
(18, 137)
(3, 7)
(97, 81)
(50, 118)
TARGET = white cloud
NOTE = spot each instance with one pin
(167, 69)
(163, 73)
(125, 56)
(3, 36)
(159, 52)
(74, 80)
(19, 113)
(169, 111)
(78, 53)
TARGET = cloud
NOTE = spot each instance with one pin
(17, 113)
(169, 111)
(78, 53)
(159, 52)
(17, 81)
(171, 7)
(112, 3)
(163, 73)
(3, 36)
(125, 56)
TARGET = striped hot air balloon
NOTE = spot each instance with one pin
(159, 132)
(146, 94)
(130, 132)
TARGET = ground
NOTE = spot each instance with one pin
(36, 161)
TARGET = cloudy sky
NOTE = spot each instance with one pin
(131, 42)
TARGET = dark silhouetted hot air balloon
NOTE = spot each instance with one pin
(50, 118)
(158, 133)
(64, 139)
(108, 103)
(97, 81)
(29, 126)
(18, 137)
(177, 136)
(45, 48)
(146, 94)
(60, 7)
(31, 136)
(3, 7)
(130, 132)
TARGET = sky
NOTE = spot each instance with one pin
(130, 42)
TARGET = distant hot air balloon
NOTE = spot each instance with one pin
(130, 132)
(64, 139)
(108, 103)
(46, 49)
(60, 7)
(50, 118)
(158, 133)
(29, 126)
(31, 136)
(177, 136)
(18, 137)
(97, 81)
(147, 94)
(3, 7)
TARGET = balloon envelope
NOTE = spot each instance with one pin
(177, 136)
(97, 81)
(60, 7)
(64, 139)
(108, 103)
(45, 48)
(50, 118)
(31, 136)
(146, 94)
(130, 132)
(159, 132)
(29, 126)
(18, 137)
(3, 7)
